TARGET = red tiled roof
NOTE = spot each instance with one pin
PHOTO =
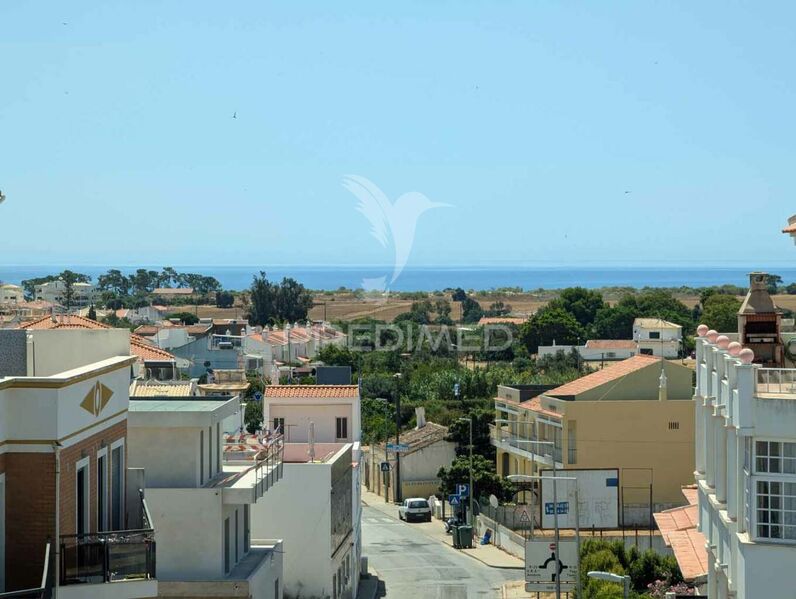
(606, 375)
(678, 527)
(535, 405)
(138, 345)
(610, 344)
(312, 391)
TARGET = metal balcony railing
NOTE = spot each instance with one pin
(100, 557)
(779, 381)
(265, 455)
(504, 436)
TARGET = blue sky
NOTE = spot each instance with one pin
(533, 119)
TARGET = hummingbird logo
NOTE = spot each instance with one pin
(391, 223)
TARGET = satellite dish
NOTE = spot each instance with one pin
(493, 501)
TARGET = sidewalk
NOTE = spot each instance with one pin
(488, 555)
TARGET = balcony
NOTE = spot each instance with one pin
(251, 467)
(124, 558)
(519, 445)
(776, 382)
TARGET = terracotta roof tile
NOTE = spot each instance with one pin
(138, 345)
(418, 438)
(601, 377)
(535, 405)
(312, 391)
(678, 527)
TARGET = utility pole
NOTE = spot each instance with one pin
(470, 494)
(398, 493)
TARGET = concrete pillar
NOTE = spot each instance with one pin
(710, 445)
(721, 459)
(713, 592)
(731, 493)
(700, 436)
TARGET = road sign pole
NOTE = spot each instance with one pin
(470, 492)
(555, 524)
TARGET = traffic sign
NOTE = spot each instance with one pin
(454, 499)
(542, 565)
(463, 490)
(385, 466)
(258, 396)
(399, 448)
(563, 508)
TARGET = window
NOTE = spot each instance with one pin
(247, 539)
(774, 503)
(572, 436)
(279, 425)
(674, 426)
(117, 485)
(645, 351)
(82, 496)
(342, 428)
(655, 334)
(276, 589)
(226, 546)
(775, 457)
(102, 490)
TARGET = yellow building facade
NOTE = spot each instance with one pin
(636, 415)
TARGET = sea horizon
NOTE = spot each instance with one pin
(433, 278)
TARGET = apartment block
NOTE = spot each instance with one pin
(201, 490)
(73, 515)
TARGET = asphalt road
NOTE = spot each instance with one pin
(412, 565)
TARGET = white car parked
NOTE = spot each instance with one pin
(415, 508)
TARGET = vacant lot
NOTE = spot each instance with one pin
(346, 306)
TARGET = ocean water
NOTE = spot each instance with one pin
(436, 278)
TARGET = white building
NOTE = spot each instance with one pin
(316, 509)
(745, 470)
(11, 294)
(203, 496)
(333, 410)
(595, 350)
(83, 294)
(657, 337)
(326, 418)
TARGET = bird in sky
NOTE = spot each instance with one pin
(390, 222)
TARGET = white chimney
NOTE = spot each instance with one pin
(662, 393)
(420, 416)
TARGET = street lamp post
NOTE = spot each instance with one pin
(611, 577)
(398, 490)
(470, 494)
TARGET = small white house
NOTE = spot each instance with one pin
(657, 337)
(83, 294)
(11, 294)
(332, 411)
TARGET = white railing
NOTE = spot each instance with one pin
(521, 442)
(776, 381)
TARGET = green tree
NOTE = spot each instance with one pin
(69, 279)
(582, 303)
(29, 285)
(486, 481)
(92, 313)
(720, 312)
(614, 322)
(294, 301)
(118, 323)
(459, 432)
(550, 324)
(271, 304)
(442, 308)
(224, 299)
(471, 311)
(114, 281)
(773, 282)
(458, 295)
(186, 318)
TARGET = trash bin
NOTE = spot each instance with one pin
(465, 534)
(455, 537)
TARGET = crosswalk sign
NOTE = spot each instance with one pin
(454, 500)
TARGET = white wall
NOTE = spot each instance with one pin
(189, 532)
(425, 463)
(2, 532)
(323, 415)
(170, 456)
(298, 510)
(56, 350)
(261, 582)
